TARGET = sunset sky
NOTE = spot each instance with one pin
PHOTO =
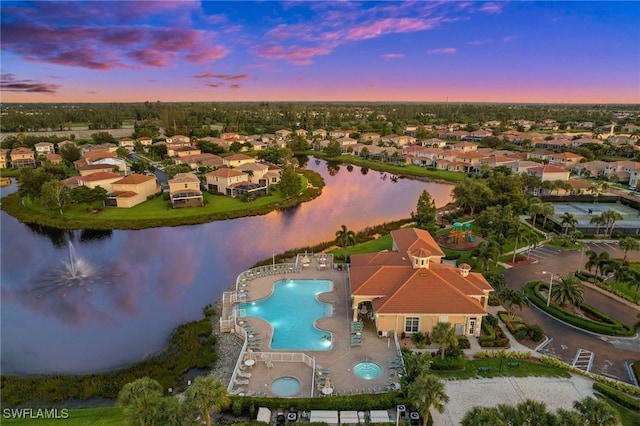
(536, 51)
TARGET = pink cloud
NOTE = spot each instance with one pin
(479, 42)
(507, 39)
(443, 51)
(491, 7)
(294, 54)
(9, 83)
(235, 86)
(393, 55)
(388, 26)
(222, 76)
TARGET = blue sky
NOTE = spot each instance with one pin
(320, 51)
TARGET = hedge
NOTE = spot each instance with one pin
(620, 386)
(635, 367)
(448, 364)
(608, 326)
(502, 354)
(619, 397)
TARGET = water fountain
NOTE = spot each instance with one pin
(75, 273)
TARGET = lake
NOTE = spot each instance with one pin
(134, 287)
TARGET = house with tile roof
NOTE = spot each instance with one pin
(408, 290)
(131, 190)
(236, 160)
(44, 148)
(22, 157)
(103, 179)
(3, 158)
(549, 172)
(52, 158)
(184, 191)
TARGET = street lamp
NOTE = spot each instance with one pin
(551, 275)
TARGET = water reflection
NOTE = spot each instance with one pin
(152, 280)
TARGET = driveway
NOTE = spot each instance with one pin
(610, 353)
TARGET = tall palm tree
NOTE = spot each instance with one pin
(207, 394)
(513, 299)
(547, 210)
(627, 244)
(568, 221)
(567, 289)
(140, 399)
(483, 416)
(535, 208)
(516, 233)
(532, 238)
(427, 391)
(566, 417)
(345, 237)
(633, 280)
(611, 217)
(598, 220)
(596, 412)
(444, 335)
(414, 364)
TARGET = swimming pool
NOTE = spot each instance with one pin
(291, 310)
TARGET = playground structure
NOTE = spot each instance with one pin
(461, 237)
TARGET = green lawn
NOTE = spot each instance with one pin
(383, 243)
(402, 170)
(627, 417)
(103, 416)
(154, 212)
(500, 368)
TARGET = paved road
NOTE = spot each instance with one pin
(610, 353)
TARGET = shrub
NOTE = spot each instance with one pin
(448, 364)
(502, 354)
(419, 339)
(491, 320)
(536, 332)
(636, 370)
(463, 342)
(521, 333)
(618, 396)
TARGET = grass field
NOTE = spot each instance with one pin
(103, 416)
(500, 368)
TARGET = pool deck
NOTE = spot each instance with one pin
(339, 360)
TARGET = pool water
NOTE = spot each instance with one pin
(367, 370)
(285, 386)
(291, 310)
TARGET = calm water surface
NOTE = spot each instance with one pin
(142, 284)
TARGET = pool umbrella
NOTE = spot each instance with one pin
(249, 353)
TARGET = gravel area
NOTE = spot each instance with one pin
(228, 348)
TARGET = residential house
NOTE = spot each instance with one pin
(539, 154)
(43, 148)
(103, 179)
(53, 158)
(178, 139)
(453, 135)
(231, 136)
(320, 132)
(410, 129)
(340, 133)
(620, 140)
(621, 170)
(346, 141)
(236, 160)
(369, 137)
(184, 191)
(408, 290)
(434, 143)
(591, 168)
(102, 157)
(565, 159)
(399, 140)
(87, 169)
(132, 190)
(65, 143)
(521, 166)
(185, 151)
(200, 160)
(549, 172)
(103, 147)
(22, 157)
(552, 143)
(478, 135)
(127, 143)
(301, 132)
(466, 146)
(145, 141)
(3, 158)
(224, 181)
(282, 134)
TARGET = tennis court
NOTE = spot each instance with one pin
(584, 212)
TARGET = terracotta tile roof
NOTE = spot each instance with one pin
(411, 239)
(226, 173)
(95, 166)
(236, 157)
(99, 176)
(547, 169)
(184, 177)
(134, 179)
(53, 157)
(123, 194)
(96, 155)
(21, 150)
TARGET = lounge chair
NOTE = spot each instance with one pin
(236, 391)
(268, 362)
(250, 393)
(244, 375)
(241, 382)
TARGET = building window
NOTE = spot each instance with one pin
(411, 324)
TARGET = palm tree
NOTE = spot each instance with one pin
(567, 289)
(547, 210)
(414, 364)
(627, 244)
(485, 252)
(567, 418)
(596, 412)
(171, 412)
(532, 413)
(444, 335)
(634, 281)
(345, 237)
(532, 238)
(598, 220)
(140, 399)
(535, 208)
(611, 217)
(513, 299)
(427, 391)
(568, 221)
(516, 233)
(483, 416)
(207, 394)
